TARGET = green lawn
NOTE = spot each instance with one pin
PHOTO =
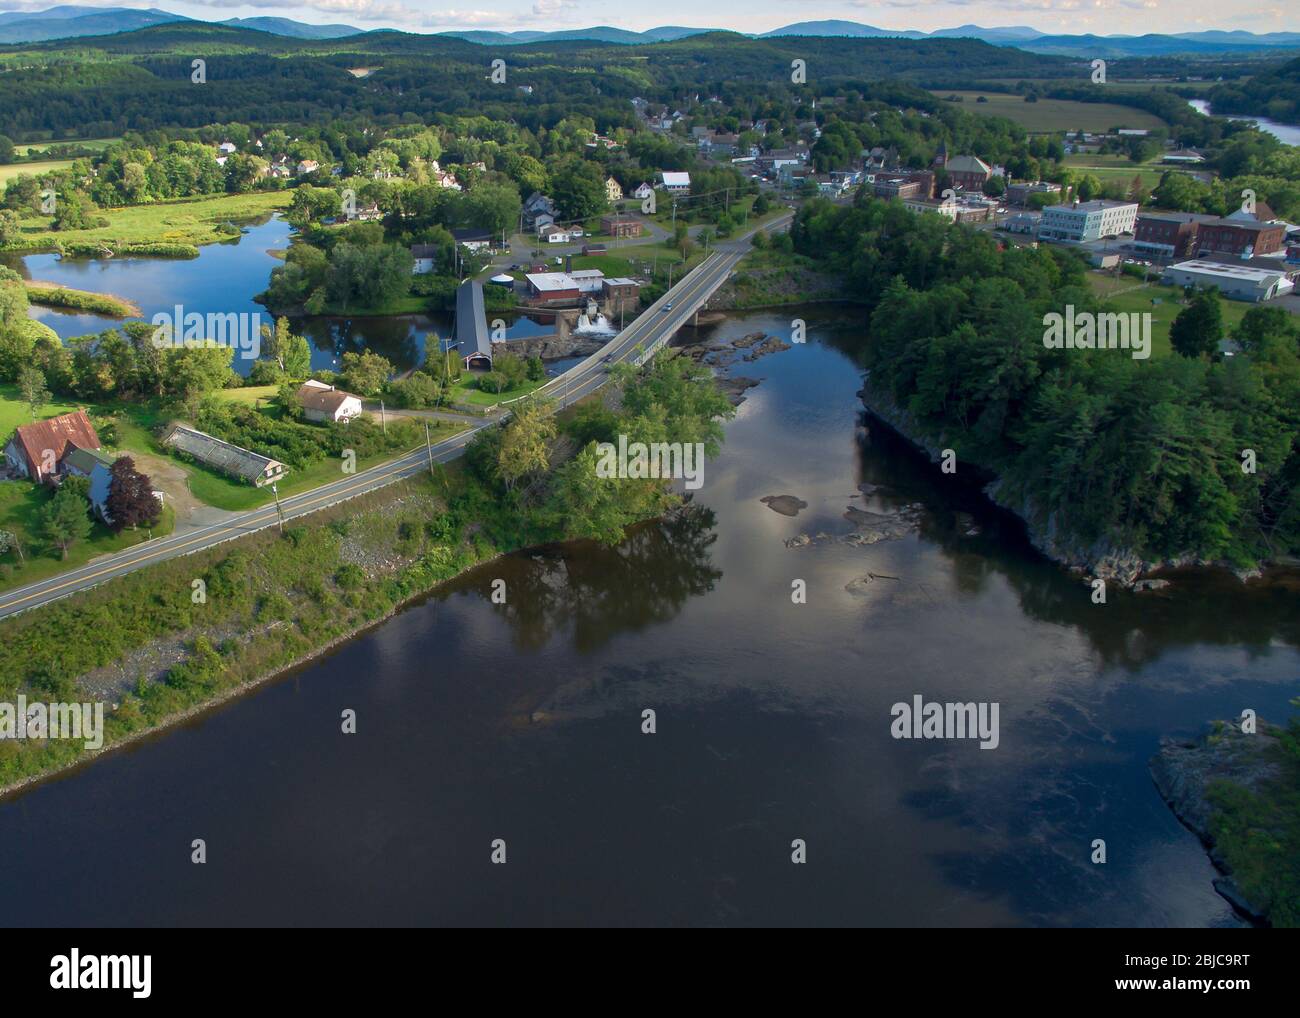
(20, 501)
(1126, 294)
(187, 221)
(1048, 116)
(13, 411)
(471, 395)
(250, 394)
(20, 504)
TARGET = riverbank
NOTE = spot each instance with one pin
(161, 229)
(1103, 560)
(52, 295)
(176, 638)
(1239, 792)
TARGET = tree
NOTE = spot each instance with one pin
(8, 540)
(6, 149)
(365, 373)
(1199, 326)
(10, 227)
(525, 442)
(31, 383)
(64, 520)
(131, 502)
(290, 352)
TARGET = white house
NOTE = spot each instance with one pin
(643, 191)
(307, 166)
(321, 402)
(226, 148)
(426, 259)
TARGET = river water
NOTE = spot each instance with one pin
(223, 279)
(1288, 134)
(522, 722)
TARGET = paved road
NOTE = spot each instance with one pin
(652, 328)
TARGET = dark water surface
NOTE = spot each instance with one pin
(523, 722)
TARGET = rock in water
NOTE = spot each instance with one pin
(786, 505)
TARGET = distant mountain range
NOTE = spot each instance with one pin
(71, 21)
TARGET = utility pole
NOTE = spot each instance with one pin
(428, 447)
(279, 511)
(383, 417)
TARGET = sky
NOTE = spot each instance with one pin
(1075, 17)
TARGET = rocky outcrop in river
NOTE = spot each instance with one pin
(1184, 771)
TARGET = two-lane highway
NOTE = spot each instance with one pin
(647, 333)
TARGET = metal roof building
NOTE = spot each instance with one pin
(221, 455)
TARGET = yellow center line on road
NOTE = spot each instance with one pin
(259, 518)
(264, 516)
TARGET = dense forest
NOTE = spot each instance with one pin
(1274, 94)
(1147, 455)
(142, 80)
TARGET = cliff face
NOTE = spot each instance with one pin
(1101, 559)
(1184, 770)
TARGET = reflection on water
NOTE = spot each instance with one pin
(223, 279)
(523, 721)
(1288, 134)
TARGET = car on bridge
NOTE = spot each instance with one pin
(668, 306)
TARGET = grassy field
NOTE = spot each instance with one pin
(13, 411)
(250, 394)
(471, 395)
(1112, 167)
(96, 144)
(1048, 116)
(1126, 294)
(11, 170)
(189, 221)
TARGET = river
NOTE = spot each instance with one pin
(1288, 134)
(223, 280)
(522, 722)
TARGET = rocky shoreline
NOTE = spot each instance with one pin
(1100, 560)
(1184, 770)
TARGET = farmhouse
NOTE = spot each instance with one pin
(39, 450)
(613, 190)
(223, 456)
(321, 402)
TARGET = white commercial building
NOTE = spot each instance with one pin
(677, 183)
(1240, 282)
(1081, 222)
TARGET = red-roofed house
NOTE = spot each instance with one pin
(37, 450)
